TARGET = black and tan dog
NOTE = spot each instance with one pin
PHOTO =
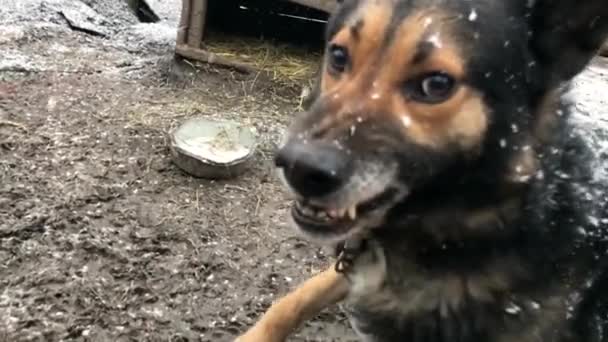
(439, 143)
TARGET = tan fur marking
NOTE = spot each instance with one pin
(461, 120)
(375, 17)
(456, 223)
(304, 303)
(419, 293)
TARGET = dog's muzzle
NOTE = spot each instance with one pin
(314, 169)
(332, 197)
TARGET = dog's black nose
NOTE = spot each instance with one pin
(314, 169)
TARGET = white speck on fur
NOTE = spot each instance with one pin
(406, 120)
(540, 175)
(594, 221)
(513, 309)
(376, 96)
(435, 40)
(473, 15)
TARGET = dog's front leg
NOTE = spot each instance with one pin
(304, 303)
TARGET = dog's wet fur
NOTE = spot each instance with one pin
(439, 133)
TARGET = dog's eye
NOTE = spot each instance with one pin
(338, 58)
(437, 85)
(431, 88)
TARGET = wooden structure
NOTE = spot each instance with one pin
(323, 5)
(191, 31)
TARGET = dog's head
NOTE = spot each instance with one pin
(417, 92)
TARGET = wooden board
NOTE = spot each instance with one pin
(191, 31)
(323, 5)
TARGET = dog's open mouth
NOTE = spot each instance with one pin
(320, 220)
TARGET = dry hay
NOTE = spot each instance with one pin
(282, 62)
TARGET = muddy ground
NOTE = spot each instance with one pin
(102, 237)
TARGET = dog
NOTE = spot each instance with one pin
(438, 157)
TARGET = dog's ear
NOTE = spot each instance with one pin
(566, 35)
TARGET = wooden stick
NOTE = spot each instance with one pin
(197, 23)
(184, 23)
(211, 58)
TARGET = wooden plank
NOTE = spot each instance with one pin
(208, 57)
(324, 5)
(184, 23)
(196, 29)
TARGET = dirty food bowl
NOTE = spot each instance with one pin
(212, 148)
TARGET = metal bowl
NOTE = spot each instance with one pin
(215, 149)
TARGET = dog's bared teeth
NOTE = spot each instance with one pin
(329, 213)
(305, 210)
(352, 212)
